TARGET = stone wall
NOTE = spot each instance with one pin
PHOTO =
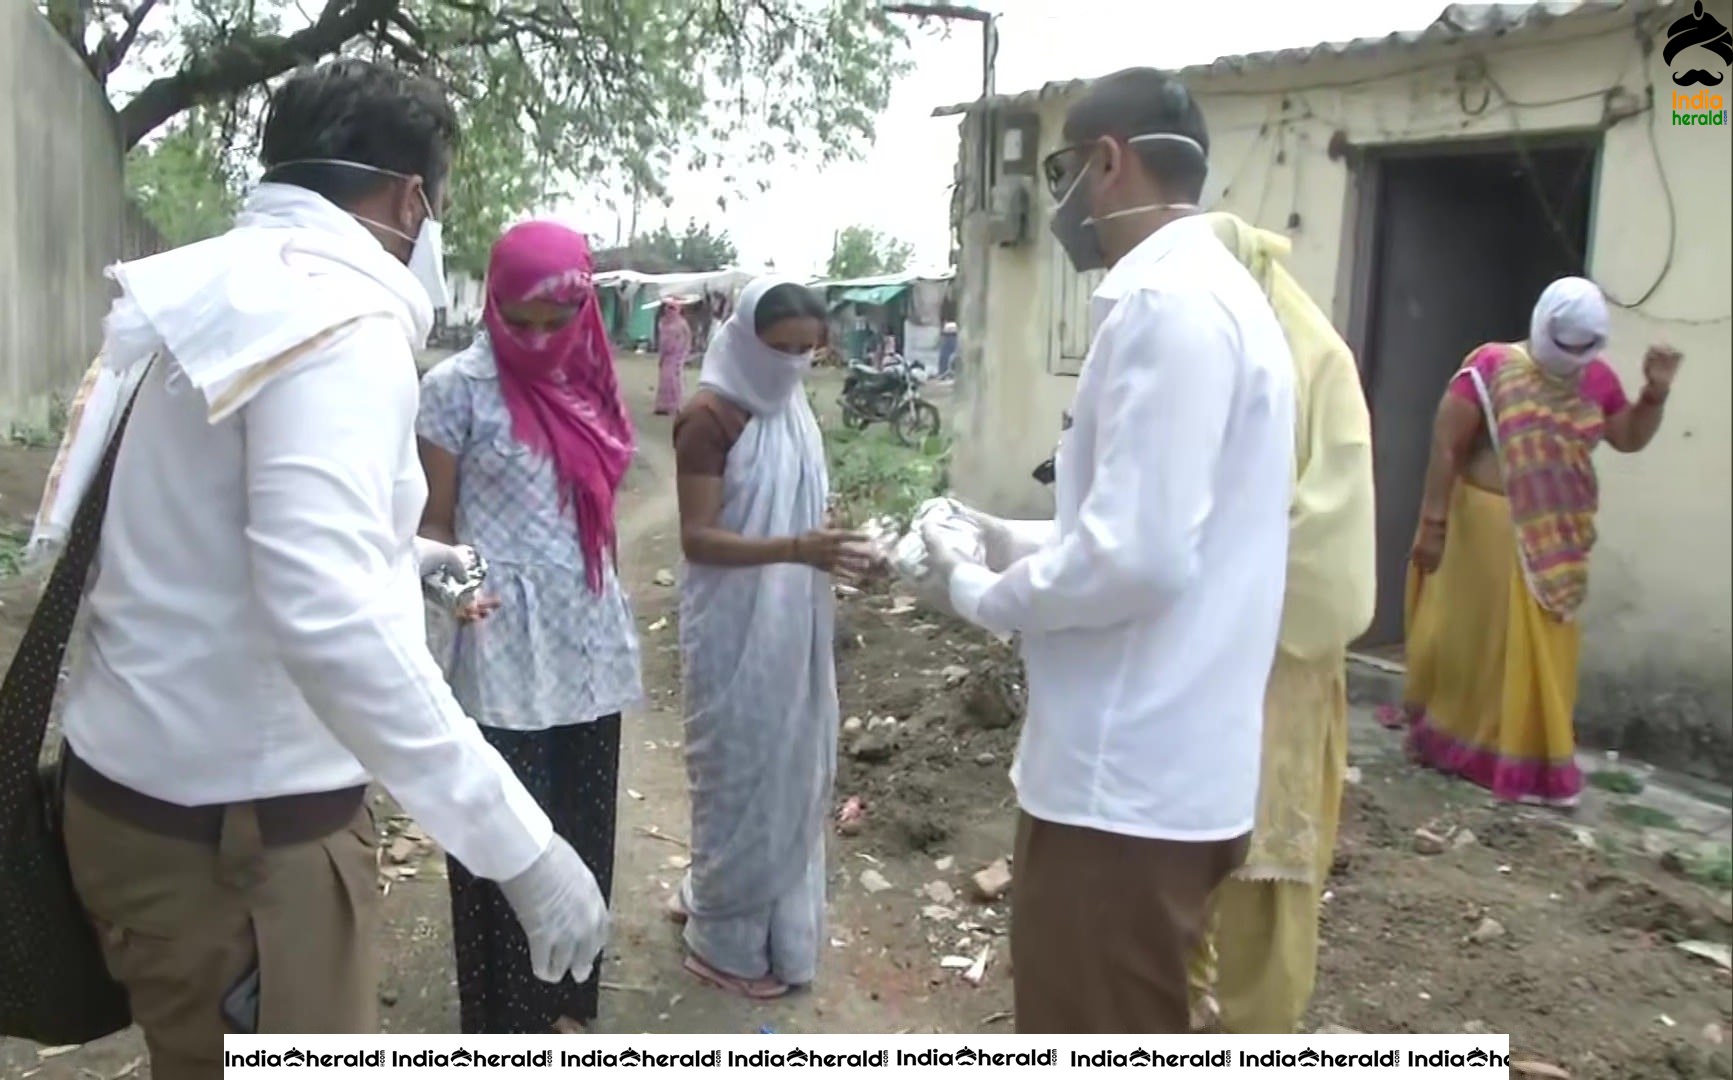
(64, 215)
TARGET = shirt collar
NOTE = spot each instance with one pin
(1157, 246)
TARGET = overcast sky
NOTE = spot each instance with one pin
(901, 185)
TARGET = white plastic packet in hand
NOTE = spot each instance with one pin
(947, 517)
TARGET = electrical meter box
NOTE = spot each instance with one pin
(1020, 145)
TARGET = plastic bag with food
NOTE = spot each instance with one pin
(948, 518)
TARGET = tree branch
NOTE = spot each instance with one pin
(248, 61)
(113, 50)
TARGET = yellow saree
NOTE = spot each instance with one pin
(1492, 641)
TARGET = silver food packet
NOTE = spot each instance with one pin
(451, 590)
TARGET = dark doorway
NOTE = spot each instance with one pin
(1462, 241)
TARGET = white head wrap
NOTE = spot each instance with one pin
(741, 367)
(1569, 327)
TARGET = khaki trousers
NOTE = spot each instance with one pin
(182, 923)
(1102, 926)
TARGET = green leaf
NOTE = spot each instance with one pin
(556, 95)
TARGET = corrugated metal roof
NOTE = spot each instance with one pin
(1458, 22)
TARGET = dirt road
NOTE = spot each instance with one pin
(1563, 932)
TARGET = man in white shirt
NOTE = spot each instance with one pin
(1149, 607)
(256, 648)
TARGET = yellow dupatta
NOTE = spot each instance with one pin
(1332, 569)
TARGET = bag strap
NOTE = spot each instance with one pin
(27, 695)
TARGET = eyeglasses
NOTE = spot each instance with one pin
(1058, 167)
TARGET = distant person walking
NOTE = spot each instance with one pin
(525, 440)
(673, 345)
(948, 345)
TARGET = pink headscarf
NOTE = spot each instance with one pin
(560, 387)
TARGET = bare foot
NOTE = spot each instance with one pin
(675, 910)
(764, 989)
(565, 1025)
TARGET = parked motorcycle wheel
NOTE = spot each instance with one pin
(853, 418)
(915, 422)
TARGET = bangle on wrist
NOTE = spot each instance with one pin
(794, 550)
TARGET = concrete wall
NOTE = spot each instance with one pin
(63, 214)
(1657, 628)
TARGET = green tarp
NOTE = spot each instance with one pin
(871, 295)
(641, 326)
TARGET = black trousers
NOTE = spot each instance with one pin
(574, 773)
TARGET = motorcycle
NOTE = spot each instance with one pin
(890, 396)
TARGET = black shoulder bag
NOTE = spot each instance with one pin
(55, 988)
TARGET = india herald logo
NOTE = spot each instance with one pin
(1690, 41)
(1698, 28)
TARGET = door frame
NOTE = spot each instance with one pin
(1366, 190)
(1358, 283)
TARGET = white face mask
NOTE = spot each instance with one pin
(1569, 327)
(1557, 358)
(427, 246)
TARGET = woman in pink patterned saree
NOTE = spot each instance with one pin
(1492, 632)
(673, 343)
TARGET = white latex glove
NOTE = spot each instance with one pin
(562, 912)
(934, 589)
(997, 539)
(431, 555)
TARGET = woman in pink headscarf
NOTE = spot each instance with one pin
(673, 343)
(525, 440)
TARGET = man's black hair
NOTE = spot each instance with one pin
(354, 110)
(1144, 101)
(787, 301)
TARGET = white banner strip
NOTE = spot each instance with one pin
(892, 1057)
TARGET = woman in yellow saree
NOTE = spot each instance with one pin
(1500, 560)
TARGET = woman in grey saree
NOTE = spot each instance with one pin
(757, 624)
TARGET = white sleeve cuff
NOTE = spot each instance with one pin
(969, 583)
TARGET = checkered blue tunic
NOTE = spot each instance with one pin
(554, 653)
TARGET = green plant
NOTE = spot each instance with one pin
(1645, 817)
(872, 475)
(1617, 781)
(45, 435)
(12, 540)
(1711, 867)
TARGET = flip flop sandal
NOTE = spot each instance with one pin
(751, 989)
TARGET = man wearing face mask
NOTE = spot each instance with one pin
(1149, 607)
(255, 651)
